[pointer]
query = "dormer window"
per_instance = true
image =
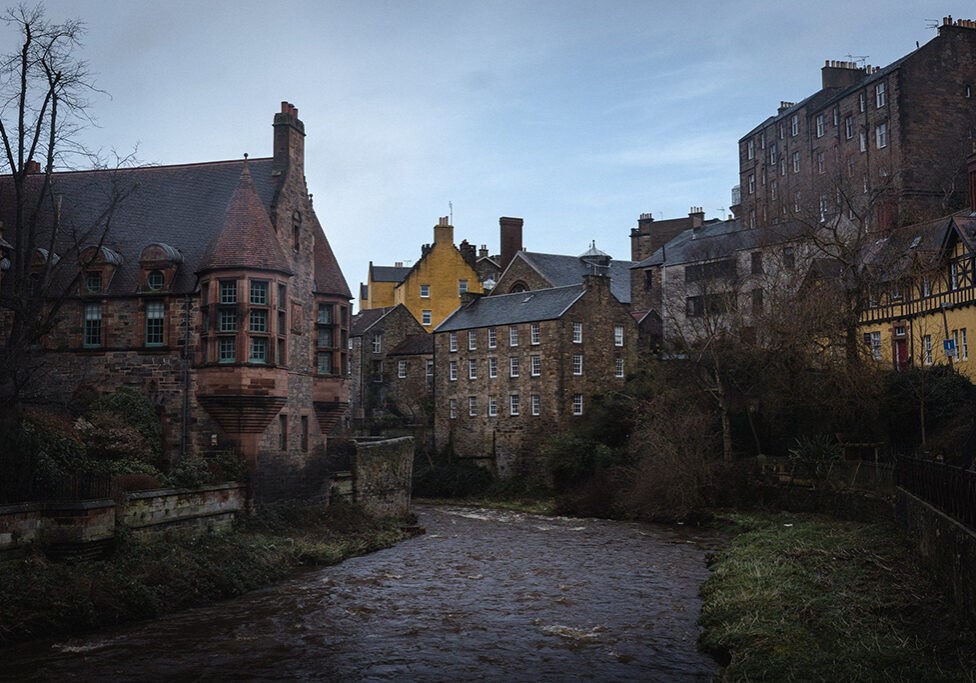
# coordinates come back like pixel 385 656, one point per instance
pixel 93 282
pixel 155 281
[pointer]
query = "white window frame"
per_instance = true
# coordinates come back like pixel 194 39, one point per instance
pixel 462 287
pixel 472 406
pixel 424 291
pixel 512 335
pixel 452 371
pixel 861 101
pixel 492 406
pixel 534 337
pixel 963 343
pixel 577 333
pixel 472 340
pixel 401 369
pixel 752 183
pixel 618 369
pixel 472 369
pixel 881 135
pixel 820 125
pixel 750 150
pixel 535 365
pixel 927 344
pixel 864 141
pixel 795 125
pixel 492 339
pixel 955 345
pixel 378 342
pixel 577 404
pixel 577 364
pixel 452 341
pixel 879 95
pixel 452 408
pixel 848 127
pixel 513 366
pixel 426 317
pixel 796 162
pixel 513 405
pixel 536 402
pixel 618 335
pixel 875 344
pixel 492 367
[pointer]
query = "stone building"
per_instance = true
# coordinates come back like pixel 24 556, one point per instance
pixel 893 134
pixel 514 369
pixel 214 290
pixel 529 271
pixel 374 374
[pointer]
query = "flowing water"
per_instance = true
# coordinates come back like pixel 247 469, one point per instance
pixel 484 595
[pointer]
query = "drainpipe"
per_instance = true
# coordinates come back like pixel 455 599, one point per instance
pixel 185 428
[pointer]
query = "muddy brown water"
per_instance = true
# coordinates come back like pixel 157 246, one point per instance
pixel 484 595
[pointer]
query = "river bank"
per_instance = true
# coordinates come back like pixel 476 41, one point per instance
pixel 143 580
pixel 808 597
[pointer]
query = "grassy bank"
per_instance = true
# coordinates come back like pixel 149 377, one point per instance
pixel 807 598
pixel 142 579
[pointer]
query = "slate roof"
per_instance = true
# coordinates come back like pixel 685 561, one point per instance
pixel 389 273
pixel 414 345
pixel 328 275
pixel 510 309
pixel 247 238
pixel 364 320
pixel 562 270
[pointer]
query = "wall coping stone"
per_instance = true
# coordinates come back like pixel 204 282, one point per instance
pixel 15 508
pixel 93 504
pixel 154 493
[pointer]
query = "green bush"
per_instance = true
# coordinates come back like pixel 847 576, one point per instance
pixel 190 472
pixel 457 479
pixel 571 460
pixel 137 412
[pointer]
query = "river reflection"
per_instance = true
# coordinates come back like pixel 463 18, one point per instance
pixel 484 595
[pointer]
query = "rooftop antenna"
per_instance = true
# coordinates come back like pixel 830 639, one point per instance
pixel 933 23
pixel 450 209
pixel 858 58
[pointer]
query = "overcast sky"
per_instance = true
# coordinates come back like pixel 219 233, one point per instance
pixel 576 116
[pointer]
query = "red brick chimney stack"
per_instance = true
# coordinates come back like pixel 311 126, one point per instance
pixel 289 142
pixel 510 239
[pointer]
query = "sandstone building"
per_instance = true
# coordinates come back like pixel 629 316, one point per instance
pixel 901 131
pixel 213 289
pixel 513 369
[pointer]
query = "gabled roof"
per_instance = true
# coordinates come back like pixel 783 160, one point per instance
pixel 388 273
pixel 246 239
pixel 183 206
pixel 362 321
pixel 414 345
pixel 328 276
pixel 562 270
pixel 510 309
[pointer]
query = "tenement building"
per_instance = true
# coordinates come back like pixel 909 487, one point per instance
pixel 212 288
pixel 886 143
pixel 514 369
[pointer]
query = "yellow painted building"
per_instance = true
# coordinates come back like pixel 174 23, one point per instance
pixel 431 289
pixel 932 299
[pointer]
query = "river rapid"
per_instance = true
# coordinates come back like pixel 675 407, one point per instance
pixel 484 595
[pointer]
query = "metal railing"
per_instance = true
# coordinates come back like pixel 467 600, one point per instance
pixel 949 488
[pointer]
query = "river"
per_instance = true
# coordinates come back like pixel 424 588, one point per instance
pixel 484 595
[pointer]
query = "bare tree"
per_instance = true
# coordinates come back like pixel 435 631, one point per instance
pixel 44 91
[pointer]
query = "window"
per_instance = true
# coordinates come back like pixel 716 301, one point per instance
pixel 513 336
pixel 452 371
pixel 259 292
pixel 226 349
pixel 773 189
pixel 820 125
pixel 648 280
pixel 926 286
pixel 534 334
pixel 782 165
pixel 750 150
pixel 796 162
pixel 324 363
pixel 227 321
pixel 304 432
pixel 820 162
pixel 874 339
pixel 492 406
pixel 782 131
pixel 472 406
pixel 860 101
pixel 491 337
pixel 796 201
pixel 472 340
pixel 282 432
pixel 772 156
pixel 325 338
pixel 963 344
pixel 401 369
pixel 425 317
pixel 927 343
pixel 954 276
pixel 577 364
pixel 378 342
pixel 955 345
pixel 282 322
pixel 795 125
pixel 752 183
pixel 325 314
pixel 577 333
pixel 429 372
pixel 879 95
pixel 513 405
pixel 93 325
pixel 836 116
pixel 259 320
pixel 472 369
pixel 154 323
pixel 864 141
pixel 881 135
pixel 535 365
pixel 259 350
pixel 424 291
pixel 513 367
pixel 848 127
pixel 452 408
pixel 283 298
pixel 155 280
pixel 462 287
pixel 535 401
pixel 618 369
pixel 762 175
pixel 452 342
pixel 618 335
pixel 93 282
pixel 228 291
pixel 493 367
pixel 577 404
pixel 282 347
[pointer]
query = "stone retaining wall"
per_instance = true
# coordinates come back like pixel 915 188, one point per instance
pixel 382 475
pixel 207 508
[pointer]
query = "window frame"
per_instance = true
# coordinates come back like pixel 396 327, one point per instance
pixel 155 323
pixel 92 327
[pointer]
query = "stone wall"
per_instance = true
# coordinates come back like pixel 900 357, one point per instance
pixel 946 546
pixel 20 526
pixel 208 508
pixel 382 473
